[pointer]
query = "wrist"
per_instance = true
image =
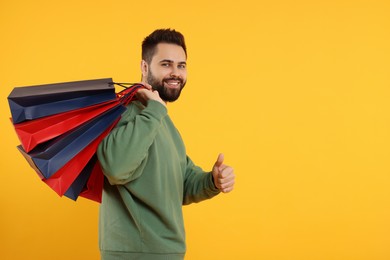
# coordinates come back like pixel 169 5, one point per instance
pixel 214 186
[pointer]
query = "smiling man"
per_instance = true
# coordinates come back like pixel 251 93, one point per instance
pixel 166 71
pixel 148 173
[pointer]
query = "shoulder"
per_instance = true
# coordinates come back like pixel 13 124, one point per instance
pixel 133 109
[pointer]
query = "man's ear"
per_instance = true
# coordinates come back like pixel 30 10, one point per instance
pixel 144 68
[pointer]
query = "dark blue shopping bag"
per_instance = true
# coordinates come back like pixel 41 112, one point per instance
pixel 66 159
pixel 32 102
pixel 78 185
pixel 49 157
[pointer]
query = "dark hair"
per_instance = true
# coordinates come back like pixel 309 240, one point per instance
pixel 161 36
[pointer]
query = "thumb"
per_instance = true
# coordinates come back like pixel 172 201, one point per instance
pixel 219 161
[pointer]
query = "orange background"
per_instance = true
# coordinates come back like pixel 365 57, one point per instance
pixel 295 93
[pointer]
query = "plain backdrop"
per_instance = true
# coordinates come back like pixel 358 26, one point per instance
pixel 295 93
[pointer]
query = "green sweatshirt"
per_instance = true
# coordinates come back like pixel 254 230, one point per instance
pixel 148 179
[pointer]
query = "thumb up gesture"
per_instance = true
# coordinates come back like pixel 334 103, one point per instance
pixel 223 175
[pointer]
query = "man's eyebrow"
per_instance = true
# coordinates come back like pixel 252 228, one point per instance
pixel 171 61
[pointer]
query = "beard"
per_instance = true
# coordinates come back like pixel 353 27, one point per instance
pixel 166 94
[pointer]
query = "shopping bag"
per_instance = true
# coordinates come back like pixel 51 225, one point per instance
pixel 34 132
pixel 94 186
pixel 81 181
pixel 31 102
pixel 54 154
pixel 61 181
pixel 61 147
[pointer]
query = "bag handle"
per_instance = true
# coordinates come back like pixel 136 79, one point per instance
pixel 128 94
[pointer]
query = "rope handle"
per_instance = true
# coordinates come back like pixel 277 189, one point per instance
pixel 128 94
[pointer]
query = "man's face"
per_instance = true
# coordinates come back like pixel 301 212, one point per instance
pixel 167 72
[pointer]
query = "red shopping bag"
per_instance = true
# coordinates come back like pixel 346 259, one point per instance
pixel 94 187
pixel 70 170
pixel 51 156
pixel 63 178
pixel 34 132
pixel 80 182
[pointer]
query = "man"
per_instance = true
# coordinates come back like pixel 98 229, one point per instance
pixel 148 174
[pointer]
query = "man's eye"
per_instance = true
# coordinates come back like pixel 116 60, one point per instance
pixel 182 66
pixel 165 64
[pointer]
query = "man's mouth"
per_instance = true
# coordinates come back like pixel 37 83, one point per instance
pixel 172 83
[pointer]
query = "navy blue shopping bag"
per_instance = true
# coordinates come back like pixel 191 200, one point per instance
pixel 32 102
pixel 49 157
pixel 66 159
pixel 78 185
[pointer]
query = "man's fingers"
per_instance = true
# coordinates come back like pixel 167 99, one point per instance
pixel 146 85
pixel 224 187
pixel 226 190
pixel 222 180
pixel 225 172
pixel 226 179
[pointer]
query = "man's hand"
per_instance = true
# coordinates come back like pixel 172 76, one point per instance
pixel 145 94
pixel 223 175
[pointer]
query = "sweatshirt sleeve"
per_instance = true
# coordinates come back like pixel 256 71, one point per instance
pixel 198 185
pixel 123 151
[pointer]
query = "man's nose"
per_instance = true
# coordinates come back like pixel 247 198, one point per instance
pixel 175 72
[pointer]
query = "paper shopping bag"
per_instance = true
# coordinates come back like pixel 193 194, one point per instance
pixel 34 132
pixel 60 144
pixel 31 102
pixel 94 187
pixel 49 157
pixel 81 181
pixel 61 181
